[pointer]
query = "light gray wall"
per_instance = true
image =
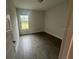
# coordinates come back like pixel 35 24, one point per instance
pixel 36 21
pixel 55 20
pixel 12 12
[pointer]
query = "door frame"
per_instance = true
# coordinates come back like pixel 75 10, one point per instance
pixel 68 40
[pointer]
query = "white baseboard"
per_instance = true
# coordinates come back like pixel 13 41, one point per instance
pixel 55 35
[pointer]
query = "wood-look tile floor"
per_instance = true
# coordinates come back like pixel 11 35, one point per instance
pixel 37 46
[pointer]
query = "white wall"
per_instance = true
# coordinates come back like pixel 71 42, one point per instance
pixel 36 21
pixel 55 20
pixel 12 12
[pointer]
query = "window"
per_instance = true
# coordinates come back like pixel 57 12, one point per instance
pixel 24 22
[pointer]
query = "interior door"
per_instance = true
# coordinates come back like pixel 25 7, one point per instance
pixel 10 48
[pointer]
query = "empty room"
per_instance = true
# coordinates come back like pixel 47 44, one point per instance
pixel 38 29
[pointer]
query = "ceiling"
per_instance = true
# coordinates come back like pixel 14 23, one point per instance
pixel 35 5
